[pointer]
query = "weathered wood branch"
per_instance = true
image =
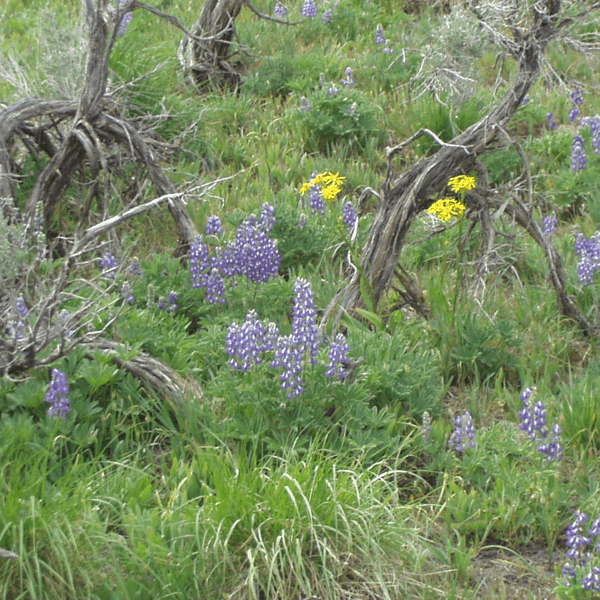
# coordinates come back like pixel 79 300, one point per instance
pixel 153 372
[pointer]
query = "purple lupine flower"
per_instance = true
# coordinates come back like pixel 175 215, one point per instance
pixel 305 332
pixel 224 260
pixel 347 79
pixel 255 253
pixel 592 580
pixel 379 35
pixel 317 204
pixel 305 104
pixel 213 226
pixel 578 158
pixel 198 261
pixel 58 394
pixel 279 10
pixel 594 124
pixel 21 307
pixel 577 102
pixel 161 303
pixel 551 121
pixel 577 98
pixel 126 19
pixel 387 49
pixel 549 224
pixel 109 265
pixel 576 540
pixel 534 420
pixel 332 90
pixel 290 357
pixel 463 428
pixel 553 449
pixel 215 287
pixel 172 298
pixel 589 251
pixel 309 9
pixel 338 357
pixel 135 268
pixel 15 329
pixel 349 216
pixel 326 16
pixel 574 114
pixel 267 217
pixel 292 350
pixel 127 294
pixel 246 343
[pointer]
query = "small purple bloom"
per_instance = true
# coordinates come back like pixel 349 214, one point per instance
pixel 549 223
pixel 349 216
pixel 58 394
pixel 309 9
pixel 338 357
pixel 267 217
pixel 21 307
pixel 305 105
pixel 589 251
pixel 348 79
pixel 198 261
pixel 577 98
pixel 213 226
pixel 126 19
pixel 109 265
pixel 246 343
pixel 127 294
pixel 317 204
pixel 379 35
pixel 280 10
pixel 551 121
pixel 463 428
pixel 135 268
pixel 578 158
pixel 173 297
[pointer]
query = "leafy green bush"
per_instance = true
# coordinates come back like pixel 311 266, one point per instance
pixel 346 117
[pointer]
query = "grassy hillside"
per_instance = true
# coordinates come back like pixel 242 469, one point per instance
pixel 381 455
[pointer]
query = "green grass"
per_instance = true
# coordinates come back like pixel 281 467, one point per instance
pixel 244 493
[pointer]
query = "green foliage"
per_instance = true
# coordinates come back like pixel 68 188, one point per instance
pixel 399 373
pixel 348 117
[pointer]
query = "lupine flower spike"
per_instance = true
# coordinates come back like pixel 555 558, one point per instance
pixel 309 9
pixel 58 395
pixel 464 433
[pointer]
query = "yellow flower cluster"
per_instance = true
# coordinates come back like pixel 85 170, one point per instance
pixel 446 208
pixel 462 183
pixel 331 185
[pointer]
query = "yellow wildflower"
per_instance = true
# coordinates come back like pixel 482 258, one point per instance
pixel 446 208
pixel 331 184
pixel 330 192
pixel 462 183
pixel 332 178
